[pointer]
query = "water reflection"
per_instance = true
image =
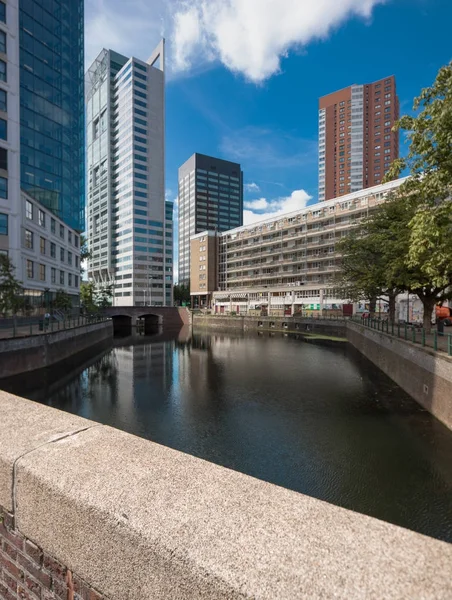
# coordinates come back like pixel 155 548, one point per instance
pixel 319 420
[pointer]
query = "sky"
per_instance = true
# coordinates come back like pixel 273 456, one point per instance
pixel 244 76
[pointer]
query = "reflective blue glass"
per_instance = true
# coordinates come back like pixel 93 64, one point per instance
pixel 52 106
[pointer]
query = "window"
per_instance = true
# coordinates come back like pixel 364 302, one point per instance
pixel 3 129
pixel 3 224
pixel 2 70
pixel 3 187
pixel 3 101
pixel 42 272
pixel 3 41
pixel 42 245
pixel 62 232
pixel 53 275
pixel 69 237
pixel 29 239
pixel 2 12
pixel 62 254
pixel 62 277
pixel 76 261
pixel 30 269
pixel 69 279
pixel 69 258
pixel 52 250
pixel 76 241
pixel 42 218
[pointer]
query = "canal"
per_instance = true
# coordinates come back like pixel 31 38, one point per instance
pixel 321 420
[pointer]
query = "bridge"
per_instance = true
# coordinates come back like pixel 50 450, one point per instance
pixel 147 318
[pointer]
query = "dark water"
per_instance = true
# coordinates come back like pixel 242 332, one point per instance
pixel 319 420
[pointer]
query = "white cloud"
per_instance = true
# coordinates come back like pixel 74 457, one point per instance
pixel 251 36
pixel 247 36
pixel 260 204
pixel 297 200
pixel 252 187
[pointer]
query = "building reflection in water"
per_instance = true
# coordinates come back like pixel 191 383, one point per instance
pixel 319 420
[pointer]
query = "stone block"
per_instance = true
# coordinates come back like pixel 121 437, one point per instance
pixel 138 520
pixel 25 426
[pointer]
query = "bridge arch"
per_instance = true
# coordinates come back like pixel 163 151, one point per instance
pixel 122 324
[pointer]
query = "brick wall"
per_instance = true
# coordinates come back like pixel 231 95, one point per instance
pixel 28 573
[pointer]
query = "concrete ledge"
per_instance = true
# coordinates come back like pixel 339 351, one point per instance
pixel 137 520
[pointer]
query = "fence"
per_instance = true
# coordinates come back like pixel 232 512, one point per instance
pixel 16 329
pixel 417 335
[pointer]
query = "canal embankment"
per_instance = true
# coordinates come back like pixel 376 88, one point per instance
pixel 91 511
pixel 425 374
pixel 29 354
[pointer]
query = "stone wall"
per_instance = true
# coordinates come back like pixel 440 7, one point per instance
pixel 92 512
pixel 23 355
pixel 330 327
pixel 426 375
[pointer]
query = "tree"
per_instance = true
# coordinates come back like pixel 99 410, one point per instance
pixel 383 243
pixel 10 287
pixel 182 294
pixel 62 300
pixel 363 271
pixel 104 295
pixel 85 253
pixel 428 191
pixel 87 293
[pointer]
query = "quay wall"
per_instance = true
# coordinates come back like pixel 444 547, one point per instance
pixel 27 354
pixel 423 373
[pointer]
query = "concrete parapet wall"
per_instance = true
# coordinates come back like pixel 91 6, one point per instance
pixel 21 355
pixel 426 375
pixel 124 518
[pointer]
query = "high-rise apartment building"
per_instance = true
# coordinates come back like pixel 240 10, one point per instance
pixel 356 141
pixel 52 106
pixel 210 197
pixel 129 224
pixel 41 144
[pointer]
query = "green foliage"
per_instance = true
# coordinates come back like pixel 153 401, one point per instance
pixel 62 300
pixel 10 288
pixel 87 297
pixel 182 294
pixel 103 296
pixel 428 190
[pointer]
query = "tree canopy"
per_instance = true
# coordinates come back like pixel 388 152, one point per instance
pixel 406 244
pixel 10 288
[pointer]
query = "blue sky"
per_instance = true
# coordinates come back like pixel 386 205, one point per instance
pixel 244 76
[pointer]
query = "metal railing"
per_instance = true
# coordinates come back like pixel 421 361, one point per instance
pixel 439 341
pixel 22 328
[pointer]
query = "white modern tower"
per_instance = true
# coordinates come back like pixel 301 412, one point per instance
pixel 129 226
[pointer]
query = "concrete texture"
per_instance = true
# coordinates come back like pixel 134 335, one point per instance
pixel 22 355
pixel 25 426
pixel 138 521
pixel 424 374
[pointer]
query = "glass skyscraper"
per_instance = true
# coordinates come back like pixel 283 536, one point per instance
pixel 52 106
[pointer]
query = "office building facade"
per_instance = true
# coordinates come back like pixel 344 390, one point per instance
pixel 284 264
pixel 356 141
pixel 129 224
pixel 210 197
pixel 44 250
pixel 52 106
